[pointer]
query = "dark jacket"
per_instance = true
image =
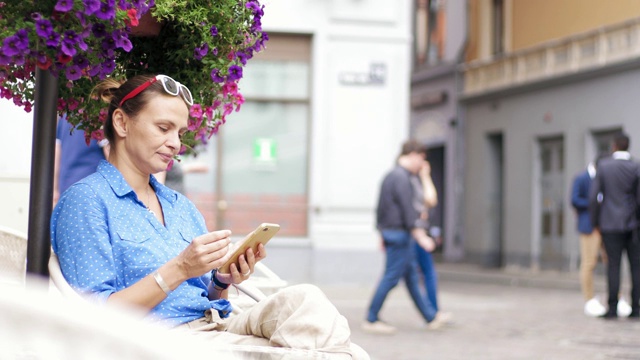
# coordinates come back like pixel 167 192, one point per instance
pixel 617 181
pixel 580 201
pixel 395 205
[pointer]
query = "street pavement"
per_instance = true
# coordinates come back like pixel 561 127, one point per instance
pixel 498 314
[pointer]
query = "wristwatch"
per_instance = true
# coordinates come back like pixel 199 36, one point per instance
pixel 217 284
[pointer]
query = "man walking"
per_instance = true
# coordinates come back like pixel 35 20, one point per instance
pixel 613 205
pixel 590 241
pixel 398 222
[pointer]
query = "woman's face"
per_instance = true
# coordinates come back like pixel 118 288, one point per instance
pixel 153 137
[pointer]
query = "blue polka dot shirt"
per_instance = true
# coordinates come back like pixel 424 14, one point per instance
pixel 107 240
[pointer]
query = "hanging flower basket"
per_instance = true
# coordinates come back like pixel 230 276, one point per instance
pixel 204 44
pixel 147 26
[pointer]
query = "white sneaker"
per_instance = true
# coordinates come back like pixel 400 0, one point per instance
pixel 594 308
pixel 624 309
pixel 442 318
pixel 378 327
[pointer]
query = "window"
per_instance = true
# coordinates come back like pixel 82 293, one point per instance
pixel 429 32
pixel 261 154
pixel 498 27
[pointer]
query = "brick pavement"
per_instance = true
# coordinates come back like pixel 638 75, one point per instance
pixel 498 315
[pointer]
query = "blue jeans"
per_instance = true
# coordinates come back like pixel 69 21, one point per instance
pixel 400 264
pixel 430 277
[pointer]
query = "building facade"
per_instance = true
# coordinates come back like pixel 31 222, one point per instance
pixel 438 47
pixel 327 107
pixel 546 86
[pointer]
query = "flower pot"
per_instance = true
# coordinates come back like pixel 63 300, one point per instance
pixel 147 26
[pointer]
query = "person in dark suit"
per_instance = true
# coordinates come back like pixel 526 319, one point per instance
pixel 590 241
pixel 613 205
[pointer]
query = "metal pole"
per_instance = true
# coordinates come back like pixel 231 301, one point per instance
pixel 221 203
pixel 42 163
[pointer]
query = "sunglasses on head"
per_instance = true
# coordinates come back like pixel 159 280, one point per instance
pixel 169 85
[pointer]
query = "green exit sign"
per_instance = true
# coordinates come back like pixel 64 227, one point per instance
pixel 264 150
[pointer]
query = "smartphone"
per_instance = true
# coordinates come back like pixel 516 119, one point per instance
pixel 261 235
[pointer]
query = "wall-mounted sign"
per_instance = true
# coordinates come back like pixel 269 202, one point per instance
pixel 264 153
pixel 376 75
pixel 429 99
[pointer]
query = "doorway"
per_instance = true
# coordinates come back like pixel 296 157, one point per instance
pixel 495 256
pixel 435 156
pixel 552 199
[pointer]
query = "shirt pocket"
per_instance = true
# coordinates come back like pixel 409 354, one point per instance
pixel 133 249
pixel 132 236
pixel 188 230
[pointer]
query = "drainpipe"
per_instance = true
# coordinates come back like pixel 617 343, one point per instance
pixel 456 251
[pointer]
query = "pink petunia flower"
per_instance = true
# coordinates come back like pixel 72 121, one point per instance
pixel 196 111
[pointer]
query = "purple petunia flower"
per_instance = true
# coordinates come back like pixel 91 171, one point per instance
pixel 81 61
pixel 235 73
pixel 82 45
pixel 12 46
pixel 201 51
pixel 36 16
pixel 95 70
pixel 91 6
pixel 41 57
pixel 242 57
pixel 122 40
pixel 44 28
pixel 257 25
pixel 82 17
pixel 109 43
pixel 23 37
pixel 64 5
pixel 215 76
pixel 4 59
pixel 108 67
pixel 214 30
pixel 17 60
pixel 107 11
pixel 86 32
pixel 99 30
pixel 138 3
pixel 215 51
pixel 53 39
pixel 69 41
pixel 73 72
pixel 253 6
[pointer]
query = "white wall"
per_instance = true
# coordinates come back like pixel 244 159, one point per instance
pixel 356 129
pixel 15 165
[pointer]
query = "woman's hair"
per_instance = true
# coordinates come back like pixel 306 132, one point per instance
pixel 112 91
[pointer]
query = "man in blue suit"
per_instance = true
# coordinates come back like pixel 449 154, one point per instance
pixel 590 241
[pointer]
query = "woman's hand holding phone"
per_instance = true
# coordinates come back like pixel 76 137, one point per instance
pixel 243 268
